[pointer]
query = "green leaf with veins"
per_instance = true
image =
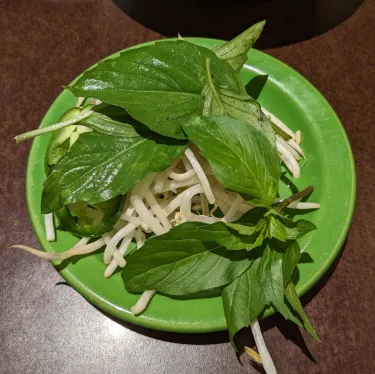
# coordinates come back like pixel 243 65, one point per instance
pixel 184 261
pixel 272 225
pixel 99 167
pixel 294 301
pixel 274 270
pixel 235 51
pixel 219 101
pixel 247 162
pixel 243 301
pixel 285 229
pixel 160 85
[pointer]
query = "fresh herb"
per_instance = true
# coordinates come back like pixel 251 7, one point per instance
pixel 243 301
pixel 237 104
pixel 160 85
pixel 99 167
pixel 274 270
pixel 235 51
pixel 293 299
pixel 247 162
pixel 272 225
pixel 176 264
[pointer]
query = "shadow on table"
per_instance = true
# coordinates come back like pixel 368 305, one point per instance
pixel 288 21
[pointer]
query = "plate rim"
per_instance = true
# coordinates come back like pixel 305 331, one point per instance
pixel 110 308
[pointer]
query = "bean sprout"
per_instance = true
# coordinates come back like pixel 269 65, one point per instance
pixel 233 209
pixel 186 200
pixel 181 176
pixel 50 229
pixel 142 302
pixel 122 250
pixel 278 123
pixel 267 362
pixel 81 250
pixel 298 137
pixel 201 175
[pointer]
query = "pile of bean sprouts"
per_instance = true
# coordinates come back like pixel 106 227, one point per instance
pixel 186 191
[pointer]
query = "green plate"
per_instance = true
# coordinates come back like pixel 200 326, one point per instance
pixel 329 168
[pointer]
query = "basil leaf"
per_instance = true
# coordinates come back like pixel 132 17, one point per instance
pixel 236 104
pixel 285 229
pixel 295 303
pixel 247 162
pixel 274 270
pixel 243 301
pixel 248 110
pixel 216 232
pixel 273 225
pixel 160 85
pixel 176 265
pixel 99 167
pixel 247 222
pixel 235 51
pixel 255 234
pixel 290 258
pixel 85 225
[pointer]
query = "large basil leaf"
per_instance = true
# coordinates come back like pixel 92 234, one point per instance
pixel 274 270
pixel 160 85
pixel 295 303
pixel 235 51
pixel 246 163
pixel 243 301
pixel 176 265
pixel 99 167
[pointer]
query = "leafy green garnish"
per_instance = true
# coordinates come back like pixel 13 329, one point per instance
pixel 99 167
pixel 272 225
pixel 160 85
pixel 235 51
pixel 175 264
pixel 247 162
pixel 274 270
pixel 243 300
pixel 293 299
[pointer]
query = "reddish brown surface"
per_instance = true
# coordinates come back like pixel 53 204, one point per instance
pixel 48 328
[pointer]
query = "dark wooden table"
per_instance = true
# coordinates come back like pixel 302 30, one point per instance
pixel 47 327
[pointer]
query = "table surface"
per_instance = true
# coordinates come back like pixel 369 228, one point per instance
pixel 47 327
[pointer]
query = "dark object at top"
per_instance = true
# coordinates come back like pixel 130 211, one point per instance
pixel 288 21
